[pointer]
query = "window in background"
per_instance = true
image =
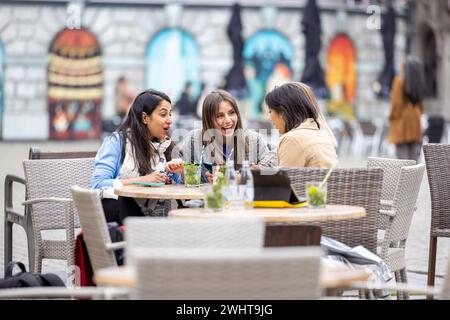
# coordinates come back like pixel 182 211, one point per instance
pixel 173 59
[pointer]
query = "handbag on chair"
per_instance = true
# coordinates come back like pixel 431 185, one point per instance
pixel 28 279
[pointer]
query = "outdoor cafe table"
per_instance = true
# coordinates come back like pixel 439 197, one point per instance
pixel 279 215
pixel 166 192
pixel 331 277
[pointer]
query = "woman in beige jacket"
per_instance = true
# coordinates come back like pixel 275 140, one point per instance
pixel 306 139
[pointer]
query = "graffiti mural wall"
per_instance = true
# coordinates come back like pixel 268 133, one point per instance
pixel 267 56
pixel 173 59
pixel 75 85
pixel 341 76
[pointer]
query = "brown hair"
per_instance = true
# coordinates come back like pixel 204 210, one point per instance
pixel 211 109
pixel 295 102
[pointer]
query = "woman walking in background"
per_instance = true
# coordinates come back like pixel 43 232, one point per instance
pixel 408 91
pixel 306 138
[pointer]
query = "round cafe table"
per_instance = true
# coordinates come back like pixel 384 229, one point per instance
pixel 279 215
pixel 166 192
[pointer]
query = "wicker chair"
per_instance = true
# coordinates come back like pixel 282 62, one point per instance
pixel 95 230
pixel 391 172
pixel 50 203
pixel 223 274
pixel 358 187
pixel 437 160
pixel 392 249
pixel 13 216
pixel 192 233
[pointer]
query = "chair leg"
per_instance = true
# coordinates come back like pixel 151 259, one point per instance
pixel 31 245
pixel 398 278
pixel 432 263
pixel 404 279
pixel 8 242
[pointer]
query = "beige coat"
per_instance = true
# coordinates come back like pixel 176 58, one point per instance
pixel 404 119
pixel 306 146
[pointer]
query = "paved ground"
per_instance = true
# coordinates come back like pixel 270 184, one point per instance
pixel 417 246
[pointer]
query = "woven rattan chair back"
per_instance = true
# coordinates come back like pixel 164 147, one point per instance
pixel 23 219
pixel 49 179
pixel 391 171
pixel 356 187
pixel 437 160
pixel 156 232
pixel 392 246
pixel 405 198
pixel 211 274
pixel 94 226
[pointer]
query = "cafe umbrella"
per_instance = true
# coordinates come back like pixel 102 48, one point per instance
pixel 235 81
pixel 313 73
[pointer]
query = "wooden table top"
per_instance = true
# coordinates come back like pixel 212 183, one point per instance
pixel 330 276
pixel 166 192
pixel 274 215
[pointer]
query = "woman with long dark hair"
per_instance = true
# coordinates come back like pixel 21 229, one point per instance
pixel 138 151
pixel 222 137
pixel 407 94
pixel 306 139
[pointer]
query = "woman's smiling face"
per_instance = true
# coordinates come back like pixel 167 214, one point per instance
pixel 226 119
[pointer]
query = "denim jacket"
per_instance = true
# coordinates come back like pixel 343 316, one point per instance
pixel 108 164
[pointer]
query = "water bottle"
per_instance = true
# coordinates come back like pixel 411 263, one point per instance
pixel 230 190
pixel 246 184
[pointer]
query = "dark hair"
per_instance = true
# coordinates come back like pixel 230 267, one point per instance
pixel 295 102
pixel 134 130
pixel 210 110
pixel 414 85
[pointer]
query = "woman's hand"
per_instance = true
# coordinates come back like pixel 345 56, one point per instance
pixel 155 176
pixel 210 176
pixel 175 166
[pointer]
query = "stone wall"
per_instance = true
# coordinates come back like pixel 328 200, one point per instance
pixel 124 33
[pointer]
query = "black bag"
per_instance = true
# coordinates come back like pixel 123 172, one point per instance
pixel 28 279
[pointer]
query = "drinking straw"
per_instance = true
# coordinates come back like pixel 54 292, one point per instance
pixel 229 156
pixel 326 177
pixel 201 154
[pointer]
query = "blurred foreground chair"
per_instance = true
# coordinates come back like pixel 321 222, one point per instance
pixel 59 293
pixel 50 204
pixel 95 231
pixel 437 160
pixel 399 218
pixel 13 216
pixel 223 274
pixel 142 232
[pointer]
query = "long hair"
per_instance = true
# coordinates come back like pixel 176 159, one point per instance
pixel 414 85
pixel 135 131
pixel 295 102
pixel 211 109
